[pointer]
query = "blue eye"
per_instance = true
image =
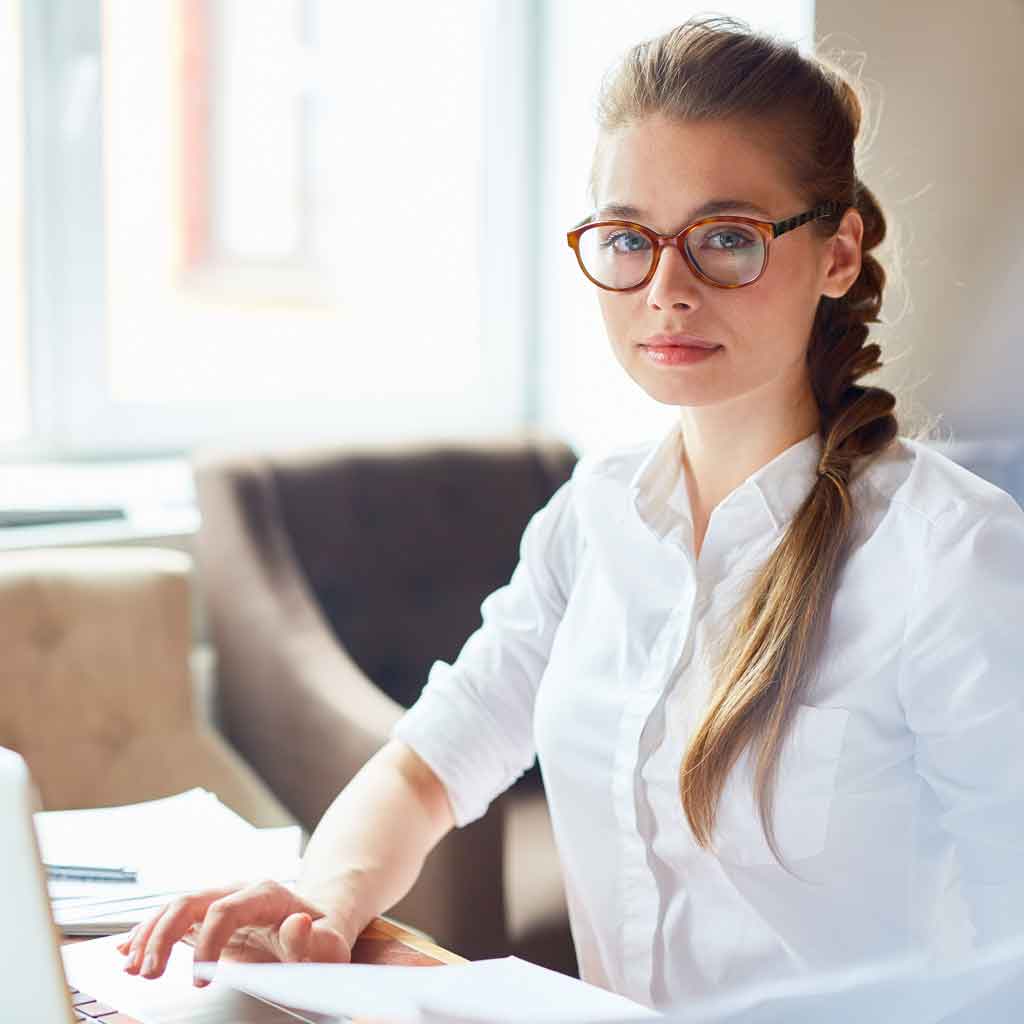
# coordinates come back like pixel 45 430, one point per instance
pixel 733 233
pixel 631 237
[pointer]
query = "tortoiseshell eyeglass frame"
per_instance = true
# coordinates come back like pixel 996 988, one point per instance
pixel 767 228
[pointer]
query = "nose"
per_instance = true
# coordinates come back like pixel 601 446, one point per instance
pixel 674 283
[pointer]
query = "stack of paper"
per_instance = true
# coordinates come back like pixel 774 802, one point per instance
pixel 177 844
pixel 506 989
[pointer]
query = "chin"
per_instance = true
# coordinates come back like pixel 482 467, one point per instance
pixel 663 392
pixel 673 388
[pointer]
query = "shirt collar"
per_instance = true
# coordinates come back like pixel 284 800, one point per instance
pixel 767 499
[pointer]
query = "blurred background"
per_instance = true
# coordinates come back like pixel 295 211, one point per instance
pixel 295 226
pixel 273 222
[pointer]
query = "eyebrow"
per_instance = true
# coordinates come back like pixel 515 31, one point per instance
pixel 708 209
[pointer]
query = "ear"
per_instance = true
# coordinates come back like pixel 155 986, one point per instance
pixel 842 258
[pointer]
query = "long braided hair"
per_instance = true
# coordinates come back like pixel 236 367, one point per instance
pixel 716 68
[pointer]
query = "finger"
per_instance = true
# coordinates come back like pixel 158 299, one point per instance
pixel 190 935
pixel 126 941
pixel 263 903
pixel 137 946
pixel 327 944
pixel 293 936
pixel 177 918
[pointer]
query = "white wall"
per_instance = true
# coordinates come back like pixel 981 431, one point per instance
pixel 946 165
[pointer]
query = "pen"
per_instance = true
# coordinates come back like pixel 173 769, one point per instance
pixel 90 873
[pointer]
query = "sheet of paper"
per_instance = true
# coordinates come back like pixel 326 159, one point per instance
pixel 130 834
pixel 510 989
pixel 185 841
pixel 501 991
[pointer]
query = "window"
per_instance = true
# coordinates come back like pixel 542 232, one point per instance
pixel 270 219
pixel 14 394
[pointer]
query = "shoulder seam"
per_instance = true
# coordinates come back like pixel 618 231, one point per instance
pixel 931 518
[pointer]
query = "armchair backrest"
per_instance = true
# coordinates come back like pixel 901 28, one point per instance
pixel 96 691
pixel 401 544
pixel 95 658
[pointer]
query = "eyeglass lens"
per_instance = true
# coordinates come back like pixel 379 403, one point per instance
pixel 618 257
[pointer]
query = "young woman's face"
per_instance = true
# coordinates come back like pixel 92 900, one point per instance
pixel 667 170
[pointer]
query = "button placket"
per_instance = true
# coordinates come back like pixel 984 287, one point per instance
pixel 682 635
pixel 641 895
pixel 638 896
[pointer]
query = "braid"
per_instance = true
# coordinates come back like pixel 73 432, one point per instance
pixel 855 420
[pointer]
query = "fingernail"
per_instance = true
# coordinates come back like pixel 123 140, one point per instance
pixel 149 964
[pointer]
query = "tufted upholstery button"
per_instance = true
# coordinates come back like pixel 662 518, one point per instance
pixel 46 635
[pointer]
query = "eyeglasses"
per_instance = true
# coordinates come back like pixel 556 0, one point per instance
pixel 727 252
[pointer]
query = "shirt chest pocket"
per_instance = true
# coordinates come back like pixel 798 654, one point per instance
pixel 804 790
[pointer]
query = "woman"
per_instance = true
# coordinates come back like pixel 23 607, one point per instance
pixel 769 664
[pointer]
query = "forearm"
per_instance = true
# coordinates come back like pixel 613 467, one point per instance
pixel 370 845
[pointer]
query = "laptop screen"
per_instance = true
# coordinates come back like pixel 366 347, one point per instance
pixel 32 984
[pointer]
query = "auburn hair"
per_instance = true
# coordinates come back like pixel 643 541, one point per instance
pixel 717 68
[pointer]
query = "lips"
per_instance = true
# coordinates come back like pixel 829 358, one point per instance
pixel 686 340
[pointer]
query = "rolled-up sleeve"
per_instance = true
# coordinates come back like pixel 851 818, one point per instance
pixel 962 688
pixel 473 720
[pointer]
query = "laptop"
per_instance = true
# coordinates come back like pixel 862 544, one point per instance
pixel 42 982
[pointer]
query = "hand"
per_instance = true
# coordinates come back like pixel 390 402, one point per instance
pixel 259 922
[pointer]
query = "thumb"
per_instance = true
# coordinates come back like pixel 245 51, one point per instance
pixel 327 944
pixel 294 937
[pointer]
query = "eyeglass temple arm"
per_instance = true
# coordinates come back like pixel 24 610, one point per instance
pixel 782 226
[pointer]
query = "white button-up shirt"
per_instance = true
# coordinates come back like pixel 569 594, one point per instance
pixel 900 796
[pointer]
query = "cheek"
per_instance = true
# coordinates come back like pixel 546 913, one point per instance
pixel 793 298
pixel 620 316
pixel 770 322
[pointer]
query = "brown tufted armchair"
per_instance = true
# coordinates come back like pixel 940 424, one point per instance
pixel 333 578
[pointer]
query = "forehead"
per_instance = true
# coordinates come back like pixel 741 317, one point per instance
pixel 666 169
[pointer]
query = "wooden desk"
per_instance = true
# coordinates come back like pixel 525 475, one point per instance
pixel 387 942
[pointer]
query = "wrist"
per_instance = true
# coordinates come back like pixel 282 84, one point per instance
pixel 345 898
